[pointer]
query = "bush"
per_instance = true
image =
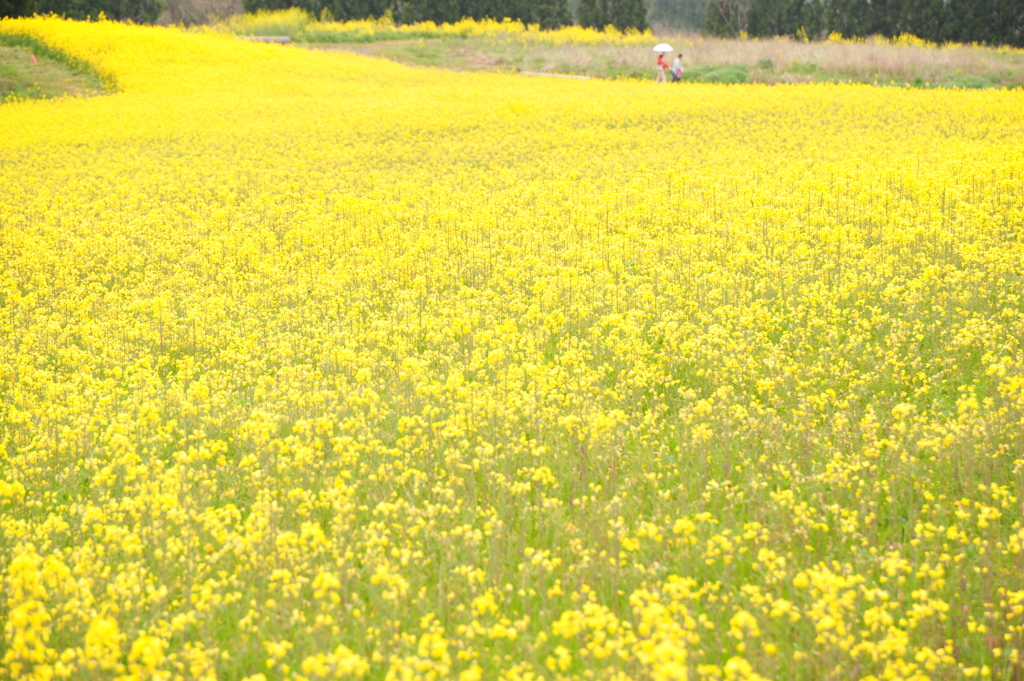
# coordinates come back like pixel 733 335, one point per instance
pixel 706 73
pixel 17 8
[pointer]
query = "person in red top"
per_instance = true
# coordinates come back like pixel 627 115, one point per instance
pixel 662 68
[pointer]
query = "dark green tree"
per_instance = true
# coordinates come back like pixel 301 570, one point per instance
pixel 687 14
pixel 139 11
pixel 776 17
pixel 625 14
pixel 311 6
pixel 994 22
pixel 621 14
pixel 883 18
pixel 550 13
pixel 592 13
pixel 477 9
pixel 846 17
pixel 724 19
pixel 345 10
pixel 785 17
pixel 923 18
pixel 17 8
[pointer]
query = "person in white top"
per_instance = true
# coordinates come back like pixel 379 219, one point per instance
pixel 677 69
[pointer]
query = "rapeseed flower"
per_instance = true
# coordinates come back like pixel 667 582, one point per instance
pixel 316 369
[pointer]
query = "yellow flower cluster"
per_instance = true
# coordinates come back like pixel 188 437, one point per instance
pixel 910 40
pixel 299 24
pixel 311 369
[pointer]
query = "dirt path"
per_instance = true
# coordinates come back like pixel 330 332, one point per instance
pixel 456 55
pixel 372 49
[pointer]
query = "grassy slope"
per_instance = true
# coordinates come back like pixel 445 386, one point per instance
pixel 713 60
pixel 20 78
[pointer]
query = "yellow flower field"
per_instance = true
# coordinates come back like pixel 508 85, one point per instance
pixel 299 24
pixel 314 366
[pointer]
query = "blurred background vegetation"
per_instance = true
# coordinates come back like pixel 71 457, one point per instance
pixel 989 22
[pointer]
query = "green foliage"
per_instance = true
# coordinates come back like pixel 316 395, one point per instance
pixel 353 37
pixel 621 14
pixel 803 69
pixel 629 14
pixel 686 14
pixel 17 8
pixel 997 22
pixel 590 13
pixel 993 22
pixel 782 17
pixel 968 82
pixel 22 77
pixel 709 73
pixel 139 11
pixel 40 49
pixel 547 13
pixel 314 7
pixel 720 19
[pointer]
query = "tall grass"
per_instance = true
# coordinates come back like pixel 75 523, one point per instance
pixel 785 60
pixel 608 52
pixel 877 58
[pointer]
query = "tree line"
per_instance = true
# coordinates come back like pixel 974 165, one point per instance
pixel 678 14
pixel 622 14
pixel 994 22
pixel 139 11
pixel 547 13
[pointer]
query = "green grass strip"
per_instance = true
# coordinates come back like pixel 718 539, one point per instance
pixel 41 49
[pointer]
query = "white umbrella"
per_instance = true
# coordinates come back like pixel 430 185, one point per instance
pixel 663 47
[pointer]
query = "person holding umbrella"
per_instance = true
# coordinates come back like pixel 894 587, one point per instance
pixel 662 65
